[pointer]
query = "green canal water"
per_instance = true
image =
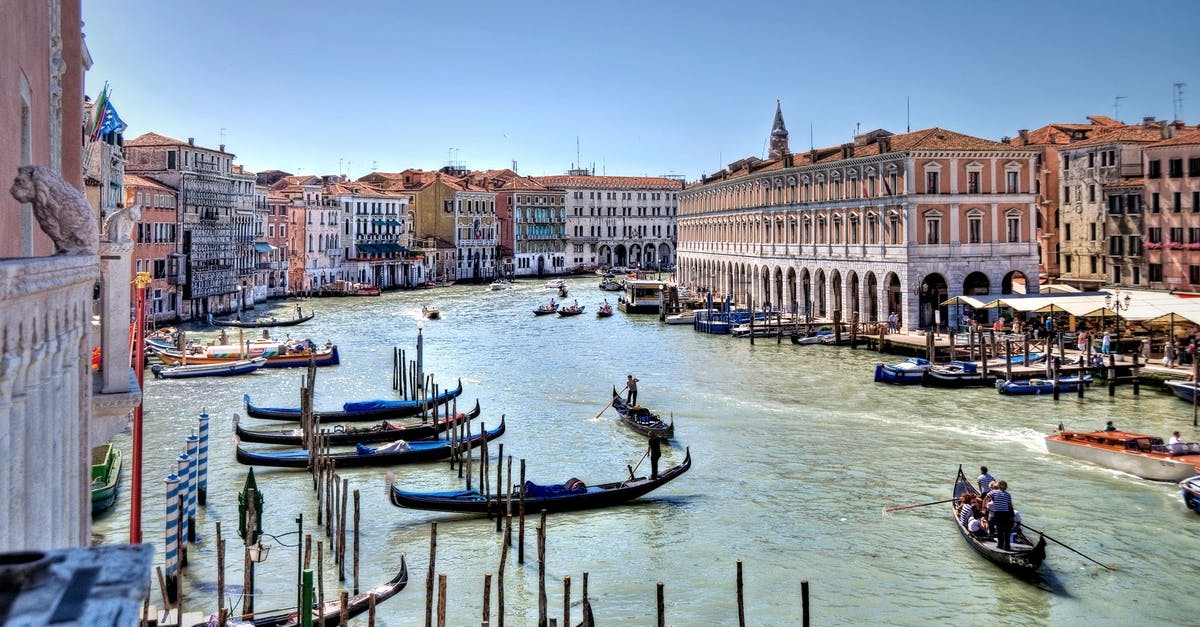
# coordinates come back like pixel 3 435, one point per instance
pixel 796 454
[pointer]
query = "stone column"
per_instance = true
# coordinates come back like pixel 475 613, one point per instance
pixel 115 262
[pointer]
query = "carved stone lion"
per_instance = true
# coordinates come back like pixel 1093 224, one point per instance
pixel 119 224
pixel 61 210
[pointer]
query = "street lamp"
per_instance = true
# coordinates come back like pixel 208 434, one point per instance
pixel 259 550
pixel 1117 305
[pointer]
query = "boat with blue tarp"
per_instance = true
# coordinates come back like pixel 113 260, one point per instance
pixel 907 372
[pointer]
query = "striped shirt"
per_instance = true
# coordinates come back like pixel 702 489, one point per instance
pixel 964 514
pixel 1001 501
pixel 984 481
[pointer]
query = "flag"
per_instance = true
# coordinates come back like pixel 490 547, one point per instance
pixel 107 120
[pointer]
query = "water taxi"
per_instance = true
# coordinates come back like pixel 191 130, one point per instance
pixel 1145 456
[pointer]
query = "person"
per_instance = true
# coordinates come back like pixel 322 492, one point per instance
pixel 999 503
pixel 1082 341
pixel 298 315
pixel 892 328
pixel 224 337
pixel 977 526
pixel 1169 355
pixel 1017 326
pixel 998 325
pixel 631 387
pixel 655 454
pixel 966 507
pixel 985 480
pixel 1108 426
pixel 1106 343
pixel 1016 526
pixel 1175 446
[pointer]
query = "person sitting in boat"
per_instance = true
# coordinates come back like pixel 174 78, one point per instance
pixel 977 526
pixel 985 480
pixel 966 506
pixel 1176 446
pixel 1108 426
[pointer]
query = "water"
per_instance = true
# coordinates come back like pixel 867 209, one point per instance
pixel 796 453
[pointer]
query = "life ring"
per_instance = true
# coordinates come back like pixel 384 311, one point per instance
pixel 339 429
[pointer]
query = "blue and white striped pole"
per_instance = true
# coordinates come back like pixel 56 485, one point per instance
pixel 202 493
pixel 183 462
pixel 193 444
pixel 172 536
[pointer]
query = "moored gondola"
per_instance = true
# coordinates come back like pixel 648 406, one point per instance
pixel 399 452
pixel 264 323
pixel 1023 557
pixel 330 614
pixel 570 496
pixel 342 435
pixel 642 420
pixel 356 411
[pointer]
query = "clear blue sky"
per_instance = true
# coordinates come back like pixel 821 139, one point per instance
pixel 649 88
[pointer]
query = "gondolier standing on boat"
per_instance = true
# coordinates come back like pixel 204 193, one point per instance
pixel 655 454
pixel 999 503
pixel 631 385
pixel 985 480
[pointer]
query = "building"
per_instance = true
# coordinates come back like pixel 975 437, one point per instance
pixel 1172 218
pixel 378 229
pixel 247 234
pixel 275 259
pixel 316 234
pixel 532 223
pixel 618 220
pixel 155 243
pixel 104 168
pixel 209 195
pixel 886 223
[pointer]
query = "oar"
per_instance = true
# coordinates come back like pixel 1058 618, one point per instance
pixel 1043 534
pixel 893 509
pixel 634 469
pixel 610 402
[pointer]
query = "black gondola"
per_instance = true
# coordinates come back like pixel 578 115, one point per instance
pixel 330 614
pixel 411 452
pixel 260 323
pixel 356 411
pixel 556 498
pixel 342 435
pixel 1022 558
pixel 956 374
pixel 642 420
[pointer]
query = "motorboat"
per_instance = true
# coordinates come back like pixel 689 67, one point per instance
pixel 683 317
pixel 956 374
pixel 1031 387
pixel 907 372
pixel 500 284
pixel 1185 390
pixel 218 369
pixel 1145 456
pixel 1190 489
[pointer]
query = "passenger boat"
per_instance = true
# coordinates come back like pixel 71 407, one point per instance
pixel 220 369
pixel 264 323
pixel 357 411
pixel 1190 490
pixel 548 498
pixel 278 355
pixel 570 310
pixel 642 420
pixel 330 614
pixel 398 452
pixel 956 374
pixel 1041 386
pixel 810 338
pixel 610 285
pixel 908 372
pixel 546 309
pixel 1144 456
pixel 342 435
pixel 604 311
pixel 684 317
pixel 431 313
pixel 1022 558
pixel 500 284
pixel 641 296
pixel 1185 390
pixel 106 476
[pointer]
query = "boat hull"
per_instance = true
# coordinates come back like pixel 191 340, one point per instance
pixel 328 357
pixel 907 372
pixel 1190 490
pixel 365 411
pixel 106 478
pixel 1144 465
pixel 1185 390
pixel 348 435
pixel 263 324
pixel 935 379
pixel 1022 559
pixel 330 614
pixel 647 425
pixel 1035 387
pixel 224 369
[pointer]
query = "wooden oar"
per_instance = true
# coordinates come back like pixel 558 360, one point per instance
pixel 634 469
pixel 893 509
pixel 610 402
pixel 1043 534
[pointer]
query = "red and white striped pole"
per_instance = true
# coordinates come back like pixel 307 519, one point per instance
pixel 140 284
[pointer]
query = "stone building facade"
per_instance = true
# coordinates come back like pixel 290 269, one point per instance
pixel 531 219
pixel 886 223
pixel 1172 216
pixel 378 229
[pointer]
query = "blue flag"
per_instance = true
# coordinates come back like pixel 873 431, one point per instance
pixel 109 121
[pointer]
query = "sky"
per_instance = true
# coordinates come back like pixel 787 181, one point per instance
pixel 631 88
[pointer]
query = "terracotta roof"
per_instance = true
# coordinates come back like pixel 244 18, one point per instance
pixel 154 139
pixel 1181 138
pixel 941 139
pixel 134 180
pixel 1103 120
pixel 609 182
pixel 1130 134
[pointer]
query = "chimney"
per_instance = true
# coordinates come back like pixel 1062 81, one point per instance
pixel 848 151
pixel 1167 131
pixel 885 145
pixel 1024 134
pixel 222 147
pixel 1148 121
pixel 191 141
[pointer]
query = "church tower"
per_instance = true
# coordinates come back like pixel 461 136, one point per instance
pixel 779 135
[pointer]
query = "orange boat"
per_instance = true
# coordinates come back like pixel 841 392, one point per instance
pixel 277 355
pixel 1145 456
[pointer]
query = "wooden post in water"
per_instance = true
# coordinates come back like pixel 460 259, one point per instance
pixel 429 575
pixel 741 605
pixel 970 345
pixel 344 601
pixel 983 356
pixel 487 598
pixel 1112 374
pixel 837 327
pixel 662 607
pixel 586 602
pixel 356 542
pixel 508 508
pixel 1134 372
pixel 220 571
pixel 1054 366
pixel 930 347
pixel 1008 360
pixel 500 580
pixel 521 516
pixel 499 487
pixel 371 610
pixel 342 531
pixel 307 551
pixel 441 602
pixel 320 574
pixel 567 601
pixel 541 556
pixel 882 334
pixel 804 602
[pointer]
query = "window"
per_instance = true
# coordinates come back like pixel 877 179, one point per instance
pixel 1066 162
pixel 1091 159
pixel 1067 264
pixel 1135 245
pixel 1177 204
pixel 1092 261
pixel 1154 235
pixel 1091 193
pixel 1155 272
pixel 1176 234
pixel 931 182
pixel 1115 246
pixel 933 228
pixel 1114 204
pixel 1155 169
pixel 1194 168
pixel 975 227
pixel 171 160
pixel 1133 203
pixel 1194 275
pixel 893 183
pixel 1092 231
pixel 1175 168
pixel 872 229
pixel 973 182
pixel 1154 206
pixel 1194 235
pixel 1066 194
pixel 1012 227
pixel 1014 179
pixel 1195 202
pixel 1067 232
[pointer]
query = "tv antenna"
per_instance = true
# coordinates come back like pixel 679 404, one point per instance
pixel 1177 100
pixel 1117 107
pixel 222 142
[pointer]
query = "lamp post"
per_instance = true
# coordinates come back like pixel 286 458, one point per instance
pixel 1117 304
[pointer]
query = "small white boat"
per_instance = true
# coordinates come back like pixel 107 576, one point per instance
pixel 1185 390
pixel 1144 456
pixel 555 284
pixel 683 317
pixel 224 369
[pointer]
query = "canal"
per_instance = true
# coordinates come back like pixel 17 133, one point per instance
pixel 796 454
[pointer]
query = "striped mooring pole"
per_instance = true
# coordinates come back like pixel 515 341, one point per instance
pixel 193 446
pixel 184 462
pixel 202 493
pixel 172 534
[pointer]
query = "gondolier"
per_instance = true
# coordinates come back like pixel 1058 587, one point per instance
pixel 999 503
pixel 631 385
pixel 655 454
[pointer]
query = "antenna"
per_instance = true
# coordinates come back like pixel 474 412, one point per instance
pixel 857 128
pixel 223 128
pixel 1177 101
pixel 1117 107
pixel 810 136
pixel 340 160
pixel 908 114
pixel 577 160
pixel 374 165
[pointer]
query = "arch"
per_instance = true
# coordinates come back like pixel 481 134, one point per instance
pixel 789 294
pixel 620 255
pixel 895 296
pixel 835 284
pixel 806 292
pixel 777 291
pixel 976 284
pixel 1014 278
pixel 872 294
pixel 605 255
pixel 933 292
pixel 820 294
pixel 852 294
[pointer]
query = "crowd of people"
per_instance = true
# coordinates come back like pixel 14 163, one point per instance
pixel 990 513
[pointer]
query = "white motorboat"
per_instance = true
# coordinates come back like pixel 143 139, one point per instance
pixel 1145 456
pixel 500 284
pixel 684 317
pixel 555 284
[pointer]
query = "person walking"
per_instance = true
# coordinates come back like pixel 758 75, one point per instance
pixel 655 454
pixel 631 387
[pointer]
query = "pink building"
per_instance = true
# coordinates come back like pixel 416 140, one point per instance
pixel 1172 215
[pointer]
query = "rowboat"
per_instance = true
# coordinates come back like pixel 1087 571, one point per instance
pixel 604 311
pixel 1190 490
pixel 221 369
pixel 1185 390
pixel 106 476
pixel 356 411
pixel 543 310
pixel 548 498
pixel 340 435
pixel 642 420
pixel 398 452
pixel 610 285
pixel 1023 557
pixel 956 374
pixel 264 323
pixel 1041 386
pixel 1141 455
pixel 330 614
pixel 570 310
pixel 907 372
pixel 278 355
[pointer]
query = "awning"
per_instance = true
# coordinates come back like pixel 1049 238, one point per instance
pixel 369 249
pixel 377 222
pixel 977 302
pixel 263 247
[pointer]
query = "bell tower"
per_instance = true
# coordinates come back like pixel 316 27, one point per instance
pixel 779 135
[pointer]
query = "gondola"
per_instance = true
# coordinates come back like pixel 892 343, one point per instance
pixel 956 374
pixel 604 311
pixel 571 310
pixel 356 411
pixel 410 452
pixel 342 435
pixel 543 310
pixel 1041 386
pixel 330 614
pixel 642 420
pixel 552 498
pixel 260 323
pixel 1024 557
